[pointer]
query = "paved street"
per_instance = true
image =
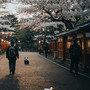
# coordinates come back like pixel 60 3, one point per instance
pixel 40 74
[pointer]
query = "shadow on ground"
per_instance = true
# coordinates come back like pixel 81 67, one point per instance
pixel 9 82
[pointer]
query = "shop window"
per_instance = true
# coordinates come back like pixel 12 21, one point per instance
pixel 78 43
pixel 68 45
pixel 82 45
pixel 60 45
pixel 89 44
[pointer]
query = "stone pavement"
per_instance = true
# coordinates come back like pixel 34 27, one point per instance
pixel 66 64
pixel 40 74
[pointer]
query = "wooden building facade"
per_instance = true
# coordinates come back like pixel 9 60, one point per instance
pixel 52 47
pixel 65 39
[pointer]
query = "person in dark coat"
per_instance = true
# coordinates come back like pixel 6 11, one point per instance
pixel 75 54
pixel 46 49
pixel 12 54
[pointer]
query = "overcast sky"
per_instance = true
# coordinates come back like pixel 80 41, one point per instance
pixel 14 8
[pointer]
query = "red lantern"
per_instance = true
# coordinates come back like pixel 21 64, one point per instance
pixel 2 45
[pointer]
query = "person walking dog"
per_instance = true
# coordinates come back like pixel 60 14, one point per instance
pixel 12 54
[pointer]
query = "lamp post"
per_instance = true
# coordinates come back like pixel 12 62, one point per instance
pixel 2 45
pixel 9 43
pixel 45 35
pixel 2 41
pixel 39 43
pixel 18 41
pixel 39 46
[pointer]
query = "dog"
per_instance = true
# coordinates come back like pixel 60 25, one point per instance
pixel 51 88
pixel 26 61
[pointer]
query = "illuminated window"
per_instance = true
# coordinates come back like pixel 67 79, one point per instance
pixel 78 42
pixel 82 45
pixel 88 43
pixel 68 44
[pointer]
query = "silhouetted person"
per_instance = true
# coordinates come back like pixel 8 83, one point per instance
pixel 12 54
pixel 46 50
pixel 75 54
pixel 39 50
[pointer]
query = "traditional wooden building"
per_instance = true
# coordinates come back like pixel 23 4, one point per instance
pixel 53 46
pixel 65 39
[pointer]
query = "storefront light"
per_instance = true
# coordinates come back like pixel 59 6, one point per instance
pixel 89 43
pixel 39 41
pixel 2 32
pixel 2 40
pixel 18 41
pixel 43 29
pixel 68 44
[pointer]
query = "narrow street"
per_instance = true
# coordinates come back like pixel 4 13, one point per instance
pixel 39 74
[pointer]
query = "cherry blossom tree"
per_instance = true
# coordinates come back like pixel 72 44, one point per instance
pixel 62 14
pixel 70 12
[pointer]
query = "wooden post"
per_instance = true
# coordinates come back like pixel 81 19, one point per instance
pixel 64 49
pixel 55 45
pixel 85 53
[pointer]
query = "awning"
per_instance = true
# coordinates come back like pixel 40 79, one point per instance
pixel 79 28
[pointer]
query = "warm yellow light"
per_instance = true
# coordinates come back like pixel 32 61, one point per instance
pixel 43 29
pixel 89 43
pixel 19 41
pixel 2 32
pixel 68 44
pixel 2 40
pixel 39 41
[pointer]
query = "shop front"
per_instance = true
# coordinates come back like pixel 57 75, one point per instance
pixel 53 47
pixel 65 40
pixel 60 47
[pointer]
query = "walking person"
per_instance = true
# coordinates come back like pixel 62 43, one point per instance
pixel 12 54
pixel 46 49
pixel 75 54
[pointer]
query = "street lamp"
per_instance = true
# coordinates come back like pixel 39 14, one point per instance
pixel 43 29
pixel 39 41
pixel 18 41
pixel 2 32
pixel 39 46
pixel 2 40
pixel 2 44
pixel 9 43
pixel 45 35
